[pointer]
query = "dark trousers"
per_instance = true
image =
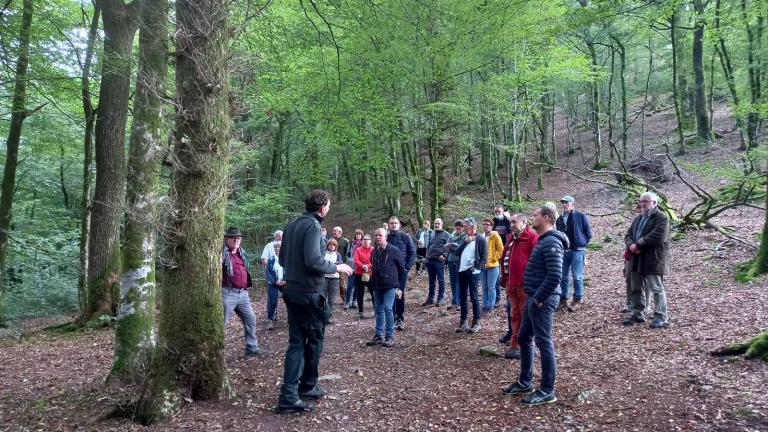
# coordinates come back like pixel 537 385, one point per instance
pixel 307 317
pixel 399 307
pixel 468 284
pixel 360 288
pixel 537 325
pixel 436 272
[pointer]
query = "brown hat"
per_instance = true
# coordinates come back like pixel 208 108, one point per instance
pixel 233 232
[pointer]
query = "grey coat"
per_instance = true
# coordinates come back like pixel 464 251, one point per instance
pixel 653 242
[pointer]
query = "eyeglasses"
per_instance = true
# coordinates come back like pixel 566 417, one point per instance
pixel 367 238
pixel 378 235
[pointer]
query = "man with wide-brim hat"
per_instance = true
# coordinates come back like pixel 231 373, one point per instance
pixel 235 282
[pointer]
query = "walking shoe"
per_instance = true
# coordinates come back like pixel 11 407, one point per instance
pixel 658 322
pixel 538 397
pixel 427 303
pixel 361 315
pixel 298 406
pixel 516 388
pixel 463 327
pixel 626 308
pixel 388 342
pixel 575 304
pixel 475 327
pixel 512 354
pixel 451 306
pixel 634 319
pixel 314 393
pixel 353 305
pixel 259 352
pixel 377 340
pixel 400 324
pixel 562 305
pixel 270 324
pixel 506 338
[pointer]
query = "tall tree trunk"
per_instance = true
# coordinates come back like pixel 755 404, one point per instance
pixel 18 114
pixel 595 115
pixel 135 332
pixel 645 97
pixel 609 103
pixel 675 86
pixel 622 78
pixel 703 131
pixel 760 263
pixel 109 195
pixel 753 72
pixel 90 120
pixel 730 79
pixel 189 358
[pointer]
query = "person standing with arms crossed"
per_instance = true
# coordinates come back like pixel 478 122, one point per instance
pixel 302 257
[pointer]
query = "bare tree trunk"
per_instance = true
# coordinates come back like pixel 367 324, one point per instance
pixel 675 87
pixel 703 131
pixel 135 332
pixel 622 78
pixel 725 62
pixel 189 358
pixel 109 195
pixel 595 114
pixel 18 114
pixel 753 119
pixel 645 97
pixel 90 120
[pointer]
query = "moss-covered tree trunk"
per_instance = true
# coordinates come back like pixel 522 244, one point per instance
pixel 595 114
pixel 189 358
pixel 18 114
pixel 675 86
pixel 90 119
pixel 134 335
pixel 703 131
pixel 760 263
pixel 109 193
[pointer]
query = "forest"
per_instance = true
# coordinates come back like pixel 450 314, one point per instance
pixel 135 132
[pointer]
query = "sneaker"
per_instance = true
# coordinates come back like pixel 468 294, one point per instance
pixel 361 315
pixel 377 340
pixel 516 388
pixel 512 354
pixel 259 352
pixel 506 338
pixel 634 319
pixel 314 393
pixel 298 406
pixel 658 322
pixel 538 397
pixel 475 327
pixel 427 303
pixel 400 324
pixel 627 308
pixel 270 324
pixel 346 306
pixel 562 305
pixel 463 327
pixel 388 342
pixel 353 305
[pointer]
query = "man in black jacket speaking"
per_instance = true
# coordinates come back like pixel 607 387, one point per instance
pixel 301 255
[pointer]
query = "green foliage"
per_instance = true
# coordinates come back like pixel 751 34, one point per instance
pixel 259 213
pixel 595 246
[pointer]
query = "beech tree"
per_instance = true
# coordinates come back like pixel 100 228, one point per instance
pixel 189 358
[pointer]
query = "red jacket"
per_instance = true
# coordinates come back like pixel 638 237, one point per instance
pixel 515 257
pixel 362 256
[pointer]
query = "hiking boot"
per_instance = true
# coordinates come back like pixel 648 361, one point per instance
pixel 475 327
pixel 512 354
pixel 270 324
pixel 298 406
pixel 562 305
pixel 388 342
pixel 462 328
pixel 315 393
pixel 538 397
pixel 400 324
pixel 633 319
pixel 659 322
pixel 427 303
pixel 377 340
pixel 516 388
pixel 506 338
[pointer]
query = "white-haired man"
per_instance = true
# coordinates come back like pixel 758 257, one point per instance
pixel 648 242
pixel 269 250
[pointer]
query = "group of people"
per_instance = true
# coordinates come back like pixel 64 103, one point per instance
pixel 532 263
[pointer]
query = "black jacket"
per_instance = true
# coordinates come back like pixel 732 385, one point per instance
pixel 545 266
pixel 302 254
pixel 437 242
pixel 387 263
pixel 578 229
pixel 653 243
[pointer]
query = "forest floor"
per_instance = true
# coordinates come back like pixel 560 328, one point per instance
pixel 610 377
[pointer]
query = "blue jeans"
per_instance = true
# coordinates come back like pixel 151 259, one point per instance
pixel 350 294
pixel 537 325
pixel 436 271
pixel 237 301
pixel 382 301
pixel 489 276
pixel 453 277
pixel 468 283
pixel 573 262
pixel 272 295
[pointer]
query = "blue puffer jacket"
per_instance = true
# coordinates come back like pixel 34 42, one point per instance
pixel 403 242
pixel 545 266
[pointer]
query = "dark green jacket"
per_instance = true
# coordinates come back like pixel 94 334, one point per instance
pixel 302 255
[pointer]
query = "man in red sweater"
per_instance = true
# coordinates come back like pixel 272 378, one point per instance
pixel 520 243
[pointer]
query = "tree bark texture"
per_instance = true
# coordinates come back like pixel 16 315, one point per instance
pixel 109 194
pixel 703 131
pixel 90 119
pixel 730 79
pixel 753 119
pixel 189 359
pixel 675 86
pixel 18 114
pixel 134 335
pixel 595 114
